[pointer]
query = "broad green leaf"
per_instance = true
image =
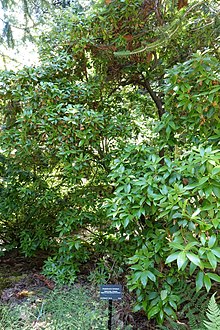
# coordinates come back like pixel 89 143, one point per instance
pixel 164 190
pixel 190 245
pixel 162 214
pixel 144 279
pixel 202 250
pixel 195 213
pixel 153 295
pixel 207 282
pixel 192 268
pixel 137 267
pixel 216 170
pixel 151 276
pixel 176 245
pixel 137 307
pixel 199 280
pixel 127 188
pixel 136 276
pixel 126 222
pixel 214 277
pixel 169 311
pixel 216 191
pixel 77 245
pixel 181 259
pixel 216 251
pixel 173 304
pixel 202 181
pixel 212 259
pixel 163 294
pixel 216 222
pixel 161 315
pixel 153 311
pixel 155 301
pixel 203 238
pixel 202 151
pixel 194 259
pixel 172 257
pixel 212 241
pixel 177 215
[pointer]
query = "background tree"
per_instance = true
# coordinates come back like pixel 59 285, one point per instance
pixel 21 22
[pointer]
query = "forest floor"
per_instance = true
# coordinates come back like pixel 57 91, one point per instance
pixel 28 300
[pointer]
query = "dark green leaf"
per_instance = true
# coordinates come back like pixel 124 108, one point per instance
pixel 207 282
pixel 171 257
pixel 199 280
pixel 163 294
pixel 153 311
pixel 181 259
pixel 144 279
pixel 216 251
pixel 212 259
pixel 211 241
pixel 151 276
pixel 214 277
pixel 194 259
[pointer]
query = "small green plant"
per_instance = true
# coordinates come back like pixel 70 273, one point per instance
pixel 60 271
pixel 213 314
pixel 62 309
pixel 100 274
pixel 196 318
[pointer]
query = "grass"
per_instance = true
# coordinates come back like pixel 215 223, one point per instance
pixel 61 309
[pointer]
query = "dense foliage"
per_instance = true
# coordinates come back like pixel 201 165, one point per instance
pixel 110 148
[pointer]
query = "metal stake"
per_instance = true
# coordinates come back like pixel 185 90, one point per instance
pixel 110 314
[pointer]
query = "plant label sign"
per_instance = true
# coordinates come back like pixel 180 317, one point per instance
pixel 111 292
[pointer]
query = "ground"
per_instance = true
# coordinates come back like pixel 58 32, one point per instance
pixel 22 284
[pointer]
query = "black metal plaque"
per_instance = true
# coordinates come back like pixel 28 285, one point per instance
pixel 111 292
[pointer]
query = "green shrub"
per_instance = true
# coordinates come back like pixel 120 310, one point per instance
pixel 168 208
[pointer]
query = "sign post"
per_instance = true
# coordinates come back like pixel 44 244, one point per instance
pixel 110 314
pixel 110 292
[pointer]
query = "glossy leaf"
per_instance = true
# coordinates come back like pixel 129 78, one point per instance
pixel 216 251
pixel 181 259
pixel 172 257
pixel 207 282
pixel 153 311
pixel 199 280
pixel 212 259
pixel 194 259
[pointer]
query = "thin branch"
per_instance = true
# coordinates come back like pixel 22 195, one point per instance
pixel 162 41
pixel 24 27
pixel 4 56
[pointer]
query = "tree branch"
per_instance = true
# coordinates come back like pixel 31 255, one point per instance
pixel 157 100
